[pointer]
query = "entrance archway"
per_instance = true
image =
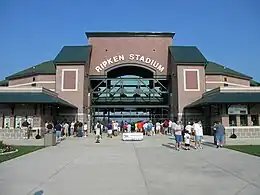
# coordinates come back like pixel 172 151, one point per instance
pixel 130 92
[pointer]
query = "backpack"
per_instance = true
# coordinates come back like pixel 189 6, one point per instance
pixel 149 126
pixel 166 124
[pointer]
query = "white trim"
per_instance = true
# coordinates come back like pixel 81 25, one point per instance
pixel 223 82
pixel 31 89
pixel 198 79
pixel 76 80
pixel 208 90
pixel 242 127
pixel 35 82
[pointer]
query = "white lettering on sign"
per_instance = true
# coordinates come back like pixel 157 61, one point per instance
pixel 132 57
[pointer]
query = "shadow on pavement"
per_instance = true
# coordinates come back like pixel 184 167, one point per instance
pixel 210 144
pixel 169 145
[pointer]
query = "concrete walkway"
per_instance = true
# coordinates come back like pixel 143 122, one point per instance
pixel 150 167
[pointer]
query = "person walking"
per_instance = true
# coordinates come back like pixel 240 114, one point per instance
pixel 220 134
pixel 178 135
pixel 72 128
pixel 66 129
pixel 58 129
pixel 187 140
pixel 109 129
pixel 98 129
pixel 198 129
pixel 85 128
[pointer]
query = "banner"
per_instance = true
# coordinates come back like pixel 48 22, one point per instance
pixel 7 122
pixel 18 122
pixel 132 136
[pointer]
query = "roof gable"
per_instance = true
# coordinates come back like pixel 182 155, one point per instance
pixel 74 54
pixel 214 68
pixel 43 68
pixel 187 54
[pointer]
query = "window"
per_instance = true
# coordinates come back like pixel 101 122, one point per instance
pixel 191 80
pixel 225 85
pixel 33 84
pixel 225 79
pixel 33 78
pixel 232 120
pixel 255 120
pixel 243 120
pixel 69 80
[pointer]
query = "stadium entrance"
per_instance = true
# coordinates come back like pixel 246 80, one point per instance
pixel 129 92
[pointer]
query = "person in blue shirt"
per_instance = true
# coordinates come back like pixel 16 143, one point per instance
pixel 219 134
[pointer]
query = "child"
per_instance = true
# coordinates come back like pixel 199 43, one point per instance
pixel 187 140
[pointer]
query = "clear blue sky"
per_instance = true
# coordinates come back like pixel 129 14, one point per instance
pixel 226 31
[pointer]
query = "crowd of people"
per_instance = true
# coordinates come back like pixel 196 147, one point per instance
pixel 184 134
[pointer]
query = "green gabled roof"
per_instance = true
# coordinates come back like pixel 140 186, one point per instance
pixel 228 98
pixel 213 68
pixel 43 68
pixel 187 54
pixel 32 97
pixel 74 54
pixel 4 83
pixel 254 83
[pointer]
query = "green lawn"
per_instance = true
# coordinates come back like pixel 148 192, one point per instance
pixel 249 149
pixel 22 150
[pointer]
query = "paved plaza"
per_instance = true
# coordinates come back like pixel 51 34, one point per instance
pixel 149 167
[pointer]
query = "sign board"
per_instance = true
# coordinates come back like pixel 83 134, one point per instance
pixel 132 57
pixel 132 136
pixel 238 110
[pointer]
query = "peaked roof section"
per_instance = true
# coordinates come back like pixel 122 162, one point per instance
pixel 130 34
pixel 187 54
pixel 73 54
pixel 4 83
pixel 43 68
pixel 213 68
pixel 254 83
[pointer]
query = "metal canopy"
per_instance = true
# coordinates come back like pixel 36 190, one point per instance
pixel 130 106
pixel 129 90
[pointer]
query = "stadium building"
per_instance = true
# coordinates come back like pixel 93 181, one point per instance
pixel 130 76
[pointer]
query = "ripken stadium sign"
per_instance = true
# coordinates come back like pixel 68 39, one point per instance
pixel 131 57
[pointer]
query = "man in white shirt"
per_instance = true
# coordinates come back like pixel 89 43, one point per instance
pixel 178 135
pixel 158 127
pixel 72 128
pixel 173 126
pixel 198 134
pixel 66 129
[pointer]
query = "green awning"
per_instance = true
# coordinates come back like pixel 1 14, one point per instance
pixel 32 97
pixel 227 98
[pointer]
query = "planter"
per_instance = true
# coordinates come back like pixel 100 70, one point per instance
pixel 49 139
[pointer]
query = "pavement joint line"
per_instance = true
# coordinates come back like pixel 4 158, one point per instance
pixel 141 170
pixel 56 172
pixel 227 171
pixel 241 189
